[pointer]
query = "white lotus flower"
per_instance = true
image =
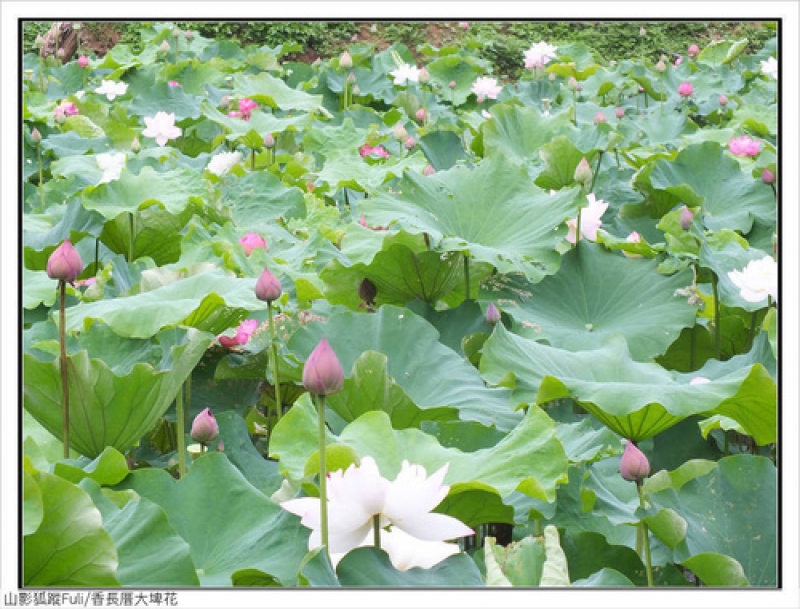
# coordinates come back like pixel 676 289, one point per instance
pixel 111 89
pixel 485 86
pixel 758 280
pixel 161 127
pixel 539 54
pixel 111 163
pixel 223 162
pixel 410 534
pixel 590 219
pixel 405 72
pixel 770 67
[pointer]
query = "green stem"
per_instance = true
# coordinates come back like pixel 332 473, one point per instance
pixel 647 562
pixel 275 379
pixel 41 178
pixel 376 527
pixel 252 158
pixel 62 337
pixel 596 171
pixel 133 232
pixel 692 347
pixel 717 329
pixel 181 432
pixel 466 274
pixel 751 334
pixel 323 474
pixel 96 255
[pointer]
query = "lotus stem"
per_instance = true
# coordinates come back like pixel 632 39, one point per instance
pixel 376 526
pixel 645 536
pixel 751 334
pixel 133 232
pixel 62 337
pixel 275 379
pixel 41 174
pixel 596 171
pixel 252 158
pixel 181 432
pixel 717 329
pixel 466 275
pixel 692 348
pixel 323 474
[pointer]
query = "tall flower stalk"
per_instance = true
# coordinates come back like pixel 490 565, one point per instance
pixel 635 467
pixel 181 432
pixel 268 289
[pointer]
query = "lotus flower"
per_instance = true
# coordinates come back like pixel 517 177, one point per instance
pixel 758 280
pixel 243 334
pixel 492 313
pixel 699 380
pixel 111 163
pixel 685 89
pixel 111 89
pixel 380 151
pixel 600 118
pixel 538 55
pixel 64 263
pixel 410 534
pixel 770 68
pixel 204 427
pixel 222 163
pixel 634 465
pixel 693 50
pixel 687 216
pixel 161 127
pixel 767 176
pixel 405 73
pixel 246 106
pixel 590 219
pixel 83 61
pixel 744 146
pixel 322 373
pixel 66 108
pixel 268 287
pixel 486 87
pixel 346 61
pixel 252 241
pixel 620 112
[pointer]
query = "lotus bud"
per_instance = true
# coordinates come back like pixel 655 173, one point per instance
pixel 136 146
pixel 400 132
pixel 204 427
pixel 421 114
pixel 351 78
pixel 346 61
pixel 423 75
pixel 176 32
pixel 678 60
pixel 723 101
pixel 269 140
pixel 268 287
pixel 600 118
pixel 620 112
pixel 61 53
pixel 39 41
pixel 225 102
pixel 429 170
pixel 452 84
pixel 687 215
pixel 634 465
pixel 685 89
pixel 693 50
pixel 583 172
pixel 492 313
pixel 356 91
pixel 661 66
pixel 83 61
pixel 65 263
pixel 252 241
pixel 36 137
pixel 767 176
pixel 572 84
pixel 409 143
pixel 322 373
pixel 189 35
pixel 164 48
pixel 367 291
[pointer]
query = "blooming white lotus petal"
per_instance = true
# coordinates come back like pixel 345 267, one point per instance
pixel 539 54
pixel 307 508
pixel 433 527
pixel 111 163
pixel 770 67
pixel 413 493
pixel 590 219
pixel 222 163
pixel 485 86
pixel 161 127
pixel 363 484
pixel 405 72
pixel 757 280
pixel 406 552
pixel 111 89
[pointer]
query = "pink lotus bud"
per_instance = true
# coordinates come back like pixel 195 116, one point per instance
pixel 61 53
pixel 39 41
pixel 685 89
pixel 687 215
pixel 225 102
pixel 322 373
pixel 464 25
pixel 346 61
pixel 678 60
pixel 36 137
pixel 423 75
pixel 429 170
pixel 767 176
pixel 174 83
pixel 409 143
pixel 492 313
pixel 356 91
pixel 136 146
pixel 252 241
pixel 83 61
pixel 351 78
pixel 400 132
pixel 65 263
pixel 269 140
pixel 164 48
pixel 452 84
pixel 583 172
pixel 480 99
pixel 204 427
pixel 600 118
pixel 189 35
pixel 572 84
pixel 268 287
pixel 723 101
pixel 354 38
pixel 620 112
pixel 421 114
pixel 661 66
pixel 176 32
pixel 634 465
pixel 693 50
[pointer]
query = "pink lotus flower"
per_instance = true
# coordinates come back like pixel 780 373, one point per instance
pixel 268 287
pixel 83 61
pixel 246 106
pixel 252 241
pixel 693 50
pixel 590 219
pixel 161 127
pixel 429 170
pixel 64 263
pixel 409 143
pixel 678 60
pixel 367 150
pixel 204 427
pixel 744 146
pixel 538 55
pixel 600 118
pixel 620 112
pixel 243 333
pixel 464 25
pixel 174 83
pixel 486 87
pixel 66 108
pixel 686 89
pixel 421 114
pixel 634 465
pixel 322 372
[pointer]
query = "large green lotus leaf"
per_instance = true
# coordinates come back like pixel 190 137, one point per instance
pixel 455 68
pixel 443 149
pixel 455 325
pixel 160 97
pixel 267 89
pixel 151 553
pixel 172 188
pixel 529 459
pixel 228 524
pixel 432 375
pixel 119 387
pixel 561 157
pixel 454 207
pixel 212 301
pixel 260 198
pixel 722 260
pixel 38 288
pixel 635 399
pixel 32 503
pixel 70 143
pixel 730 511
pixel 260 122
pixel 597 294
pixel 371 567
pixel 108 468
pixel 517 134
pixel 344 168
pixel 730 197
pixel 70 546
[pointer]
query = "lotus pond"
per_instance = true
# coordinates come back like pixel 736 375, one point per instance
pixel 526 331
